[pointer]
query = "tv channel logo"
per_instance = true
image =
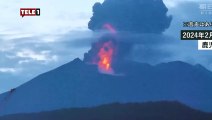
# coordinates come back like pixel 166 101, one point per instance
pixel 29 12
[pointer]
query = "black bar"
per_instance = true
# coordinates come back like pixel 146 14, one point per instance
pixel 196 34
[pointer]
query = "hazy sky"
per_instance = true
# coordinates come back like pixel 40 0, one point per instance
pixel 30 46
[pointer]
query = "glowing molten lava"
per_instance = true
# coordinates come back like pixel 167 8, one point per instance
pixel 105 55
pixel 103 51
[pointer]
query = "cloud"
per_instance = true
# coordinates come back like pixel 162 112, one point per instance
pixel 143 16
pixel 8 70
pixel 34 45
pixel 134 22
pixel 176 3
pixel 51 19
pixel 37 56
pixel 26 56
pixel 151 48
pixel 48 48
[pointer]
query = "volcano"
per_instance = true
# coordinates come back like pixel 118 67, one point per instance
pixel 78 84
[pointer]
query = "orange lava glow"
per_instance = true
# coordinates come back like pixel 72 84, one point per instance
pixel 105 54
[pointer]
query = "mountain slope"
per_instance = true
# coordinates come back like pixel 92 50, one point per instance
pixel 77 84
pixel 131 111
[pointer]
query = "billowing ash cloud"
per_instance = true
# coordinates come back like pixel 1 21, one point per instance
pixel 123 19
pixel 141 16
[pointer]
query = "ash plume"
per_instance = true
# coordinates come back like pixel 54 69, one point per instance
pixel 140 16
pixel 122 18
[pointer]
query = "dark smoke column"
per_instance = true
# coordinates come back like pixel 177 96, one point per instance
pixel 140 16
pixel 119 17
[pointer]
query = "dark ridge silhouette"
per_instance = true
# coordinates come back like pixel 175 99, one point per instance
pixel 163 110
